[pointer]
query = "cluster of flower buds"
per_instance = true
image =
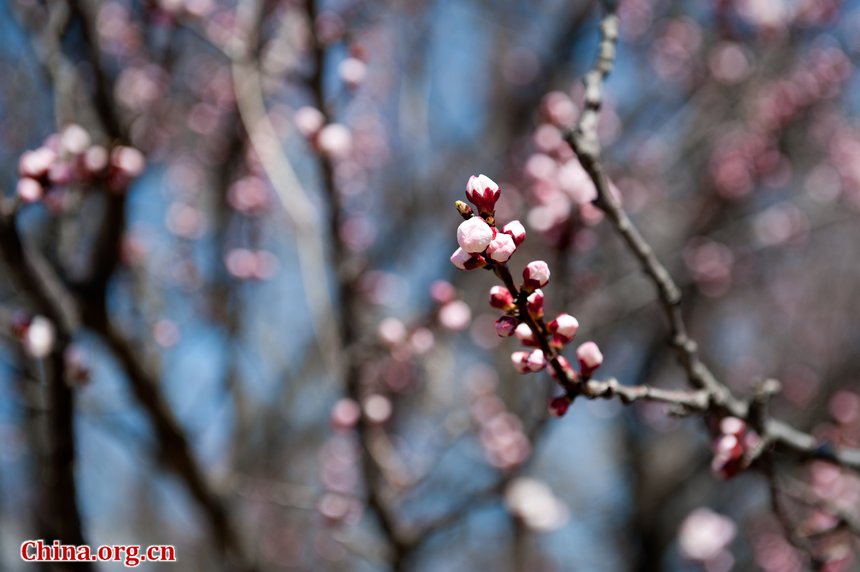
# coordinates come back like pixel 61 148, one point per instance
pixel 69 158
pixel 733 442
pixel 478 237
pixel 482 244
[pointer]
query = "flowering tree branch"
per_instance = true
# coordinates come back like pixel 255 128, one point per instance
pixel 583 139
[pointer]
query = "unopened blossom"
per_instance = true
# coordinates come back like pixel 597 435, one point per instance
pixel 505 326
pixel 36 163
pixel 61 173
pixel 377 408
pixel 520 360
pixel 74 139
pixel 308 120
pixel 515 230
pixel 501 247
pixel 564 326
pixel 335 140
pixel 558 406
pixel 534 303
pixel 483 192
pixel 128 161
pixel 536 360
pixel 40 337
pixel 501 298
pixel 95 159
pixel 535 275
pixel 29 190
pixel 731 446
pixel 733 426
pixel 345 414
pixel 589 357
pixel 474 235
pixel 465 261
pixel 704 534
pixel 352 71
pixel 728 456
pixel 525 334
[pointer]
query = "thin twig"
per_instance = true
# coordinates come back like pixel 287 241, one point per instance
pixel 584 141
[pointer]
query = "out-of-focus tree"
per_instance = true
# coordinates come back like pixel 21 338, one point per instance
pixel 231 323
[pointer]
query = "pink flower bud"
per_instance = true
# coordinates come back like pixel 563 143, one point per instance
pixel 345 414
pixel 564 327
pixel 505 326
pixel 559 406
pixel 60 173
pixel 535 303
pixel 525 335
pixel 465 261
pixel 520 360
pixel 537 360
pixel 308 120
pixel 95 159
pixel 474 235
pixel 335 140
pixel 483 192
pixel 128 161
pixel 377 408
pixel 501 298
pixel 589 357
pixel 29 190
pixel 352 71
pixel 501 247
pixel 74 139
pixel 36 163
pixel 516 230
pixel 733 426
pixel 728 445
pixel 535 275
pixel 728 458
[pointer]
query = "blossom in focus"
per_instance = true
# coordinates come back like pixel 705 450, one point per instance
pixel 535 275
pixel 501 248
pixel 474 235
pixel 465 261
pixel 534 303
pixel 501 298
pixel 483 192
pixel 515 230
pixel 564 326
pixel 520 360
pixel 505 326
